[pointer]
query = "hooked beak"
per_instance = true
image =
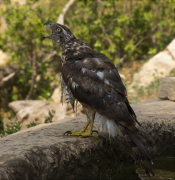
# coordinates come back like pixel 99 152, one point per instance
pixel 46 36
pixel 49 25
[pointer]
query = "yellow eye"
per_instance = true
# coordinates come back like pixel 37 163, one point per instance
pixel 58 29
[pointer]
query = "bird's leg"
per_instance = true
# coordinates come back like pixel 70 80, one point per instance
pixel 89 131
pixel 85 127
pixel 69 133
pixel 82 133
pixel 90 116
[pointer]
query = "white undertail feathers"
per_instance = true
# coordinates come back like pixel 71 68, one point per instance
pixel 107 124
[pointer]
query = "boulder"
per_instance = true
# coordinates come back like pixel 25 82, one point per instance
pixel 157 67
pixel 171 48
pixel 43 152
pixel 167 88
pixel 27 111
pixel 56 96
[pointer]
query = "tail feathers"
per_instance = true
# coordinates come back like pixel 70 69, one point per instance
pixel 139 144
pixel 139 151
pixel 132 113
pixel 139 157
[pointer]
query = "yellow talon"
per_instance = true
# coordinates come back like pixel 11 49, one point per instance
pixel 82 133
pixel 89 135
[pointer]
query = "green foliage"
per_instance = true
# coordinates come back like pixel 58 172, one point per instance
pixel 2 133
pixel 10 127
pixel 118 28
pixel 13 128
pixel 9 116
pixel 23 39
pixel 31 124
pixel 50 117
pixel 172 73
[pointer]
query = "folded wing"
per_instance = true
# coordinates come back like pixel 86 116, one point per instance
pixel 95 82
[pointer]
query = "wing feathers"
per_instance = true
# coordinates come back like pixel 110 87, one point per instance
pixel 96 82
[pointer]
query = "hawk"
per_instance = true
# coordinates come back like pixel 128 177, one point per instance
pixel 92 79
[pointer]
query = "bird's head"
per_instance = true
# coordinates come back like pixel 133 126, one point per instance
pixel 60 33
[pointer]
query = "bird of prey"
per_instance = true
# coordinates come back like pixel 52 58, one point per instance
pixel 92 79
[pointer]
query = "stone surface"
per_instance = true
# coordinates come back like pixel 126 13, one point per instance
pixel 171 48
pixel 164 169
pixel 167 88
pixel 42 152
pixel 123 76
pixel 158 66
pixel 159 175
pixel 56 96
pixel 35 110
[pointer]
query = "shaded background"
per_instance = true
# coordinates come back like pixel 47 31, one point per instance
pixel 128 32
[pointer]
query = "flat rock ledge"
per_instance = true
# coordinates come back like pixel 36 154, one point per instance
pixel 42 152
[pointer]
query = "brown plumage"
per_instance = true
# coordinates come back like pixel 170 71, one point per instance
pixel 93 80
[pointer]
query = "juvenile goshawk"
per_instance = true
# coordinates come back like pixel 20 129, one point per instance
pixel 92 79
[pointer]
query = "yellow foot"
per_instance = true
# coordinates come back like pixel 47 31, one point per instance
pixel 81 134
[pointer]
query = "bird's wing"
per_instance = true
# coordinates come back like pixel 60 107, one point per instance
pixel 95 81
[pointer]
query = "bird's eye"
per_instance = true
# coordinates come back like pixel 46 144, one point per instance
pixel 58 29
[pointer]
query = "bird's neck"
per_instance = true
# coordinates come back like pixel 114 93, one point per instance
pixel 75 47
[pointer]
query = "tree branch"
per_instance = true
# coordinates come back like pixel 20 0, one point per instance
pixel 49 56
pixel 33 78
pixel 121 61
pixel 145 37
pixel 9 80
pixel 60 19
pixel 106 35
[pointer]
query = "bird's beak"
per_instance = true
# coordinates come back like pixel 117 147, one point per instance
pixel 46 36
pixel 49 25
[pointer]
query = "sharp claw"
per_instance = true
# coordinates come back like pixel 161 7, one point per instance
pixel 95 131
pixel 67 132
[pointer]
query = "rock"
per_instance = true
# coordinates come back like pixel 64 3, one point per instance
pixel 159 174
pixel 171 48
pixel 158 66
pixel 36 110
pixel 167 88
pixel 123 76
pixel 163 168
pixel 56 96
pixel 42 152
